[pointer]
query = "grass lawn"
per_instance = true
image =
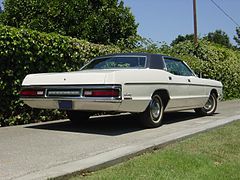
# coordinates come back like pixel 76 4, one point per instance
pixel 211 155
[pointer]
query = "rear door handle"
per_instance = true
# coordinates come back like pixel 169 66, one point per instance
pixel 189 80
pixel 170 78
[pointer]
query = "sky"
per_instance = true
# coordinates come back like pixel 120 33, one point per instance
pixel 164 20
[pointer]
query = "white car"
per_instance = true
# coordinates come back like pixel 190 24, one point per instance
pixel 143 83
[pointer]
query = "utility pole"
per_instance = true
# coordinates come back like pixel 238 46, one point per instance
pixel 195 23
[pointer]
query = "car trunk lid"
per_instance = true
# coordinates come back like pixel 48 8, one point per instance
pixel 70 78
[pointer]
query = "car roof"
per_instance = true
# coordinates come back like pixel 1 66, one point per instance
pixel 131 54
pixel 137 54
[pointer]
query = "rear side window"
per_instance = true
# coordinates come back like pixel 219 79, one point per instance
pixel 177 67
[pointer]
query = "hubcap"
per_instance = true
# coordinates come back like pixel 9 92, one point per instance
pixel 210 104
pixel 155 109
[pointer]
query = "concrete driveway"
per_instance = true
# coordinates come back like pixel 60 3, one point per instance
pixel 39 151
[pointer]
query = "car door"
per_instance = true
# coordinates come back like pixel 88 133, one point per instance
pixel 197 91
pixel 197 88
pixel 179 84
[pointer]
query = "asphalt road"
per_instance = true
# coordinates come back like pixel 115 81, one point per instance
pixel 42 150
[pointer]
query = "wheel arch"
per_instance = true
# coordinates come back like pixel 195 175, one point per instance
pixel 164 94
pixel 214 91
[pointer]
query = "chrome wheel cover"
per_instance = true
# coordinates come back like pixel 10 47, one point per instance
pixel 209 106
pixel 155 109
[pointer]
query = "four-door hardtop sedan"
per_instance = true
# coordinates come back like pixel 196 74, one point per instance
pixel 141 83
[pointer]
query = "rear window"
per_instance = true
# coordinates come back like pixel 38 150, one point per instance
pixel 117 63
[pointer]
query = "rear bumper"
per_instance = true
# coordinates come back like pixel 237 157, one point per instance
pixel 138 105
pixel 77 104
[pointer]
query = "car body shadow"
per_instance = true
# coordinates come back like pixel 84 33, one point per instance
pixel 103 125
pixel 111 125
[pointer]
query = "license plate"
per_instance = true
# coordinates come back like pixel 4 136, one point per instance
pixel 65 104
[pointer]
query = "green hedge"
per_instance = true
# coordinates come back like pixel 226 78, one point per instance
pixel 24 51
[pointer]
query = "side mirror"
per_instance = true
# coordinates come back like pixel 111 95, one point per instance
pixel 198 74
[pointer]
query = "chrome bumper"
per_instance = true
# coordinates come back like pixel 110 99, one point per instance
pixel 77 104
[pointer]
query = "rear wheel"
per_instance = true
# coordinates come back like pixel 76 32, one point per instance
pixel 78 116
pixel 209 108
pixel 152 116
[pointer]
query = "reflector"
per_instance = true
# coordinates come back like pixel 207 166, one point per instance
pixel 101 93
pixel 31 92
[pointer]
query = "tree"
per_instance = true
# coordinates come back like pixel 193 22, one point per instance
pixel 182 38
pixel 1 14
pixel 219 37
pixel 1 9
pixel 237 38
pixel 98 21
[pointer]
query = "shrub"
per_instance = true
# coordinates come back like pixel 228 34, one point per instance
pixel 24 51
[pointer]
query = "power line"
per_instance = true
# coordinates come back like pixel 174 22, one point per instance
pixel 224 12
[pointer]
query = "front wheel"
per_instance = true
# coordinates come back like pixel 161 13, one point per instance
pixel 78 116
pixel 152 116
pixel 209 108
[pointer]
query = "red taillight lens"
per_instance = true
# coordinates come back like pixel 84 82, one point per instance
pixel 101 93
pixel 31 92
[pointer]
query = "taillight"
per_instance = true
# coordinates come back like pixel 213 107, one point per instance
pixel 101 93
pixel 31 92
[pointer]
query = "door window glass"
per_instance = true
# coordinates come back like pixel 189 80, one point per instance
pixel 177 67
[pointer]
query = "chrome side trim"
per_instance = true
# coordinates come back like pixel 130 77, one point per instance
pixel 154 83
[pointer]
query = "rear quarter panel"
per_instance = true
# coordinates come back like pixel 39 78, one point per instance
pixel 138 86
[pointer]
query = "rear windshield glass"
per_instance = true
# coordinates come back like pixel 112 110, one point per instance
pixel 116 63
